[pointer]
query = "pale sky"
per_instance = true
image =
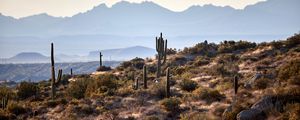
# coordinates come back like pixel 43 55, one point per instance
pixel 62 8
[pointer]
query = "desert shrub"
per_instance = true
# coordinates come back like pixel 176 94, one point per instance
pixel 289 70
pixel 203 49
pixel 103 68
pixel 196 116
pixel 218 70
pixel 4 115
pixel 293 41
pixel 171 104
pixel 180 70
pixel 291 112
pixel 125 91
pixel 231 115
pixel 65 79
pixel 152 118
pixel 188 85
pixel 261 83
pixel 178 61
pixel 224 86
pixel 77 88
pixel 227 58
pixel 52 103
pixel 158 90
pixel 86 109
pixel 171 51
pixel 187 75
pixel 208 94
pixel 104 84
pixel 5 91
pixel 26 89
pixel 231 46
pixel 136 63
pixel 294 80
pixel 15 108
pixel 200 60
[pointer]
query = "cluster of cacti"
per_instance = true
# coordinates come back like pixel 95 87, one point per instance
pixel 4 101
pixel 168 83
pixel 145 76
pixel 161 48
pixel 100 56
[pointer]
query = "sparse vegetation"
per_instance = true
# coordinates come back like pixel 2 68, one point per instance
pixel 200 86
pixel 188 85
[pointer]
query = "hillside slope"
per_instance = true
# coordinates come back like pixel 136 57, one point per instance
pixel 201 87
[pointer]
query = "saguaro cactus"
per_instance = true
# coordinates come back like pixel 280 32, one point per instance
pixel 59 76
pixel 136 83
pixel 71 72
pixel 53 73
pixel 145 76
pixel 236 86
pixel 4 101
pixel 168 83
pixel 100 56
pixel 161 48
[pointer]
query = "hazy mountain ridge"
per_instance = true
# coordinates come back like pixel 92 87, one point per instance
pixel 119 54
pixel 126 18
pixel 41 71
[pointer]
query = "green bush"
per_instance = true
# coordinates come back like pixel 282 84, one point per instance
pixel 171 104
pixel 208 94
pixel 104 84
pixel 26 89
pixel 76 89
pixel 188 85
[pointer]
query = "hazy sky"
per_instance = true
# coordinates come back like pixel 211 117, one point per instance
pixel 22 8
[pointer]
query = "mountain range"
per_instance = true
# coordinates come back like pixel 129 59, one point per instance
pixel 119 54
pixel 129 24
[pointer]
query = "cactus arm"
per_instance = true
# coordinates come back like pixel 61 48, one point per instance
pixel 165 54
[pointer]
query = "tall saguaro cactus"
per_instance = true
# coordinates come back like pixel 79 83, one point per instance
pixel 136 84
pixel 236 86
pixel 145 76
pixel 100 56
pixel 168 83
pixel 4 101
pixel 161 48
pixel 52 73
